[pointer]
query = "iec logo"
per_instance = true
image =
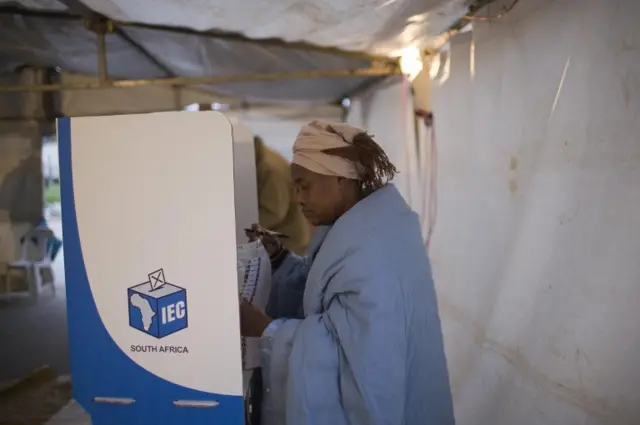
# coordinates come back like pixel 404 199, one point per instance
pixel 157 307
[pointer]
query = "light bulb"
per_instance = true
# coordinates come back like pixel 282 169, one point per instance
pixel 411 62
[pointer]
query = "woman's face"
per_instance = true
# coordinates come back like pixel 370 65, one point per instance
pixel 321 197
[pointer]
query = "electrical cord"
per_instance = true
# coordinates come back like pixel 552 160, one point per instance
pixel 505 10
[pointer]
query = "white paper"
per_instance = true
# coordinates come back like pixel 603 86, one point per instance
pixel 254 285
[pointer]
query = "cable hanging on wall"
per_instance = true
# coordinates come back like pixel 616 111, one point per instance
pixel 430 181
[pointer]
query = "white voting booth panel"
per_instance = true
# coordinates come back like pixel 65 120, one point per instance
pixel 244 173
pixel 150 260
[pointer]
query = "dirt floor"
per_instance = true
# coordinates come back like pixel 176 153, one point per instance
pixel 32 335
pixel 34 399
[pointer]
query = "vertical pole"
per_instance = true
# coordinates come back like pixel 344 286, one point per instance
pixel 102 54
pixel 100 27
pixel 177 97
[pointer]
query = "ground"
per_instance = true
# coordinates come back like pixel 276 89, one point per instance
pixel 36 335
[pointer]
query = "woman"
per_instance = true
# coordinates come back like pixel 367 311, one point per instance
pixel 352 333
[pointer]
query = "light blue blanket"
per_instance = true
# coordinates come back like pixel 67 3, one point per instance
pixel 358 340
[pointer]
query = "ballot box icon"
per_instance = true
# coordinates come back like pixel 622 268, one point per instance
pixel 157 307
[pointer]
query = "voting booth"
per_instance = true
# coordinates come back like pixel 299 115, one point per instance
pixel 149 219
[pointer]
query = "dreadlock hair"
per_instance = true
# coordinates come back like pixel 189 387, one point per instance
pixel 373 165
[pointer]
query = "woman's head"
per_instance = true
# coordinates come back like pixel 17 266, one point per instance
pixel 334 166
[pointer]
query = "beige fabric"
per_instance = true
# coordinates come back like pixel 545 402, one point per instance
pixel 314 138
pixel 277 200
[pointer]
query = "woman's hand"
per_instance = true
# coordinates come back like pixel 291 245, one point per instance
pixel 253 322
pixel 269 239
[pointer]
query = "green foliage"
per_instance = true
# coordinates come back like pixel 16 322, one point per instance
pixel 52 194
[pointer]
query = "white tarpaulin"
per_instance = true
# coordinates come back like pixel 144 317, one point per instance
pixel 380 26
pixel 537 244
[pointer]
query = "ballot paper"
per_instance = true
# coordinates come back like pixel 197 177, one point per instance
pixel 254 285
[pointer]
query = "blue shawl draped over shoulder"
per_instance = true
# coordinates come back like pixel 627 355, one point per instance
pixel 357 338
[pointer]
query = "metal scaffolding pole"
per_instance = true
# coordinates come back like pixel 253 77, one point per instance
pixel 101 27
pixel 214 79
pixel 103 72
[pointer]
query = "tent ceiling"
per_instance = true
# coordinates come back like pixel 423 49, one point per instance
pixel 380 27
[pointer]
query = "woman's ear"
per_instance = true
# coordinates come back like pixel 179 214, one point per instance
pixel 346 183
pixel 343 184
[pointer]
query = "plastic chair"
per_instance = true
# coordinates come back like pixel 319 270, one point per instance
pixel 42 267
pixel 34 270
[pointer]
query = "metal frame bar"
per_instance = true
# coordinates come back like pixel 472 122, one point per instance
pixel 103 72
pixel 215 79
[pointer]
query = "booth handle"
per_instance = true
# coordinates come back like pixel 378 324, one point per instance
pixel 114 400
pixel 202 404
